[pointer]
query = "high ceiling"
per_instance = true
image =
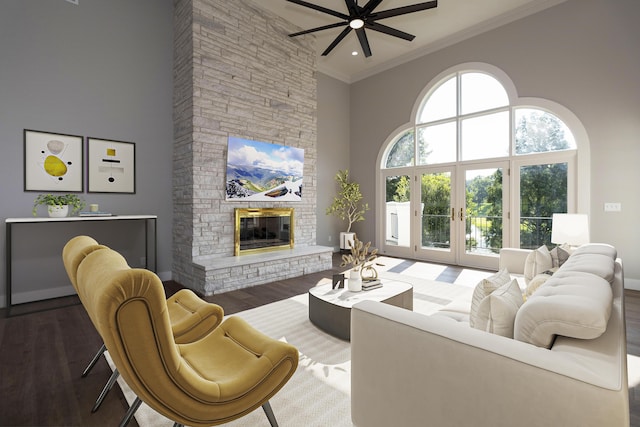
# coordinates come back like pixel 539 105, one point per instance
pixel 450 22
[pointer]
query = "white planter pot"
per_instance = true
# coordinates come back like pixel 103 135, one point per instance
pixel 58 211
pixel 345 238
pixel 354 283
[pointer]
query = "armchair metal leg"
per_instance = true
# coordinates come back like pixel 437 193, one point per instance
pixel 108 386
pixel 269 413
pixel 94 360
pixel 178 425
pixel 132 410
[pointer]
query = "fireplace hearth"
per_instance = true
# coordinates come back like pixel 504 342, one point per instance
pixel 263 229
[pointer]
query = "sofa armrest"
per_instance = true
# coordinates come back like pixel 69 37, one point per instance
pixel 410 369
pixel 513 259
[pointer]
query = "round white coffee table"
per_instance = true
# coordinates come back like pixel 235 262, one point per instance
pixel 330 309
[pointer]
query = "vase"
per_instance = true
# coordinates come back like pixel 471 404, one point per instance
pixel 354 284
pixel 56 211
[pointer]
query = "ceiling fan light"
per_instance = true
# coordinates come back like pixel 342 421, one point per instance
pixel 356 23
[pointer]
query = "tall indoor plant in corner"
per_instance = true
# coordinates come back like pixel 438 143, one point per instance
pixel 347 205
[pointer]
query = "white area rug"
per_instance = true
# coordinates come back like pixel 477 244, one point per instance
pixel 318 394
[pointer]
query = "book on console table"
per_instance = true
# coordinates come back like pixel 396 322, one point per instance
pixel 367 285
pixel 95 214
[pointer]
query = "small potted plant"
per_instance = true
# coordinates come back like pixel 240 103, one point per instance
pixel 347 206
pixel 58 205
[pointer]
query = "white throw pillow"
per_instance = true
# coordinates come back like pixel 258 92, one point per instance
pixel 497 312
pixel 537 262
pixel 486 287
pixel 535 283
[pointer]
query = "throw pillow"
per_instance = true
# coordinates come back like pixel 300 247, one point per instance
pixel 536 282
pixel 485 287
pixel 497 312
pixel 537 262
pixel 559 255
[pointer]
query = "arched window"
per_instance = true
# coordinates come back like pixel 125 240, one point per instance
pixel 504 165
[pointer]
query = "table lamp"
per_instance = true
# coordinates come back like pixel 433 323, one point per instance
pixel 571 229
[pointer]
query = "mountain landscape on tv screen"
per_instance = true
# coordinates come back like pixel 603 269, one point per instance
pixel 263 171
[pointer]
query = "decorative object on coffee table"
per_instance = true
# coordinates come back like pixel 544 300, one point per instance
pixel 338 281
pixel 362 263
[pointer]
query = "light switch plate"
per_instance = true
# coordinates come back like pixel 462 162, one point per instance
pixel 612 207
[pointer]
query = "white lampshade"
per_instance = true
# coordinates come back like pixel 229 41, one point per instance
pixel 572 229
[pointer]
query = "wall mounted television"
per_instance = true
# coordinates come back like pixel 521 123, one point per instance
pixel 262 171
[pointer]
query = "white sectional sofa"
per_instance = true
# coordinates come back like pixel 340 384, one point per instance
pixel 566 365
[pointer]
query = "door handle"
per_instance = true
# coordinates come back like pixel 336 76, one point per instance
pixel 461 215
pixel 453 214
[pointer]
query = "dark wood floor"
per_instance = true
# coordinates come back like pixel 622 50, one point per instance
pixel 42 355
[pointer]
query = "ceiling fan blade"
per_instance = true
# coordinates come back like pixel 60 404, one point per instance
pixel 324 27
pixel 372 4
pixel 403 10
pixel 388 30
pixel 338 39
pixel 320 9
pixel 352 7
pixel 362 36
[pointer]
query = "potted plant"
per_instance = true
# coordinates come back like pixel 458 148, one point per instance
pixel 58 205
pixel 347 206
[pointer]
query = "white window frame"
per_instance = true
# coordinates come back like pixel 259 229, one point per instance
pixel 578 180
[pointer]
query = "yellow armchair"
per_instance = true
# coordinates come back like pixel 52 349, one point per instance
pixel 191 317
pixel 223 376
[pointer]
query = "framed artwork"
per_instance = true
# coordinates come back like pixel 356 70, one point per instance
pixel 261 171
pixel 53 162
pixel 111 166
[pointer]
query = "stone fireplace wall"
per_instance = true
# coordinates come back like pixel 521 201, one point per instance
pixel 236 73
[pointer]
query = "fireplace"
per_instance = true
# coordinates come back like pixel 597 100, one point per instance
pixel 263 229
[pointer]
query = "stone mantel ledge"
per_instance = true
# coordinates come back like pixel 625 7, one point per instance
pixel 215 273
pixel 217 261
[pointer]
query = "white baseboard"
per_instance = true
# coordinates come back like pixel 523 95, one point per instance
pixel 165 275
pixel 633 284
pixel 41 294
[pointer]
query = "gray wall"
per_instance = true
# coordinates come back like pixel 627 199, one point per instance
pixel 100 69
pixel 333 153
pixel 583 54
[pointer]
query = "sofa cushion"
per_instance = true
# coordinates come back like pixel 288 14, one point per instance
pixel 599 264
pixel 484 288
pixel 497 311
pixel 576 305
pixel 537 261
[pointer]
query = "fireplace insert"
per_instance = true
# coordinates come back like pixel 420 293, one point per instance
pixel 263 229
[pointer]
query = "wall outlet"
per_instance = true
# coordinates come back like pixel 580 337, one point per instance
pixel 329 237
pixel 612 207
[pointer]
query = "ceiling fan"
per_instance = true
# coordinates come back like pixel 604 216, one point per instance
pixel 361 17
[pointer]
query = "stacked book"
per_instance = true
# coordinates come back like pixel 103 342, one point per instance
pixel 96 213
pixel 367 285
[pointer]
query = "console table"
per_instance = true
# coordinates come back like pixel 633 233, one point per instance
pixel 51 224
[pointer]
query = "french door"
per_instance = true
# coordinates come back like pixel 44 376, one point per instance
pixel 453 214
